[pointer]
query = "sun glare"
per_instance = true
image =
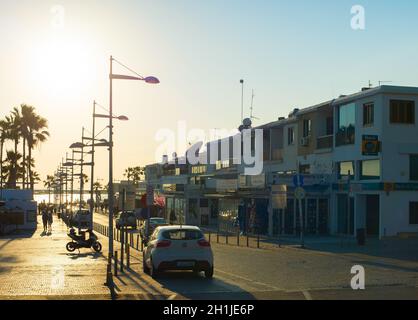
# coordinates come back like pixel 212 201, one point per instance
pixel 63 67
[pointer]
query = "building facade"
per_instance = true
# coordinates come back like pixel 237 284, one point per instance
pixel 358 155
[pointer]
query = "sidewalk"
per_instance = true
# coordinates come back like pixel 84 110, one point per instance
pixel 37 266
pixel 392 248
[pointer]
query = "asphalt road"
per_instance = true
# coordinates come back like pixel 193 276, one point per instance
pixel 293 273
pixel 36 266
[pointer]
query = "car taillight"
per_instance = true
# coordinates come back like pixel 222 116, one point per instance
pixel 203 243
pixel 163 244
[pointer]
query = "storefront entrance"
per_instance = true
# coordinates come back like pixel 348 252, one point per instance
pixel 372 215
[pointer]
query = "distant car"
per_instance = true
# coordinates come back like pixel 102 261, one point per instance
pixel 82 219
pixel 154 223
pixel 126 219
pixel 178 248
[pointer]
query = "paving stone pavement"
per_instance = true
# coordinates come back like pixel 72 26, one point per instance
pixel 36 265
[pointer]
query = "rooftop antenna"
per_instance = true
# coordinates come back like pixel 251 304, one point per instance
pixel 252 107
pixel 370 84
pixel 242 99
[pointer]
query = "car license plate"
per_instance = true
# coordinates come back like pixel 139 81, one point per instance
pixel 185 264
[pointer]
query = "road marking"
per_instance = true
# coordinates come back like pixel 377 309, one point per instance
pixel 307 295
pixel 250 280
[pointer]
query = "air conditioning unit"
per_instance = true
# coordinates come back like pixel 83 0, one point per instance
pixel 304 141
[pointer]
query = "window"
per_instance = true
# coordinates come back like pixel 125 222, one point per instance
pixel 368 114
pixel 402 111
pixel 290 136
pixel 346 124
pixel 307 127
pixel 413 167
pixel 330 126
pixel 345 168
pixel 413 213
pixel 198 169
pixel 305 169
pixel 370 170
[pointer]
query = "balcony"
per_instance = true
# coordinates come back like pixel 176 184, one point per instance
pixel 325 142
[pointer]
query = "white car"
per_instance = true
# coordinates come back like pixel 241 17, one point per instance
pixel 178 248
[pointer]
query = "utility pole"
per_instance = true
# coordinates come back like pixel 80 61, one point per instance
pixel 81 173
pixel 92 164
pixel 242 100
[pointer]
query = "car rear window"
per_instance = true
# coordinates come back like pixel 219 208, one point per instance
pixel 182 234
pixel 158 221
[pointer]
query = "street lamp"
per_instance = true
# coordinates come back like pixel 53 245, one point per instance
pixel 112 76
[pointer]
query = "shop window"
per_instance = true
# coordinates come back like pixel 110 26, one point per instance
pixel 370 170
pixel 413 167
pixel 345 169
pixel 413 213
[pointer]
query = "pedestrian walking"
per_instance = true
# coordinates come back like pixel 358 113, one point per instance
pixel 45 220
pixel 50 221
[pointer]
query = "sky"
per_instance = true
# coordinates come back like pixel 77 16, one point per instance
pixel 54 55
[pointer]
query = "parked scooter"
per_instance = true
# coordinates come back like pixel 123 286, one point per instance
pixel 80 241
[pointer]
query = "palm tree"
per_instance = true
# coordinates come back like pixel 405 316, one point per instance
pixel 36 134
pixel 49 183
pixel 97 187
pixel 13 122
pixel 12 171
pixel 137 173
pixel 128 173
pixel 4 135
pixel 134 174
pixel 27 119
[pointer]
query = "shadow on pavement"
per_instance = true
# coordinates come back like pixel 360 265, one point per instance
pixel 189 285
pixel 92 255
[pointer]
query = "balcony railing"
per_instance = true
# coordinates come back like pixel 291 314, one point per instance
pixel 325 142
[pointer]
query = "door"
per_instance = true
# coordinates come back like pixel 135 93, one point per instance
pixel 323 216
pixel 372 215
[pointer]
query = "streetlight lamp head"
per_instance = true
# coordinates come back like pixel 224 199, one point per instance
pixel 123 118
pixel 152 80
pixel 77 145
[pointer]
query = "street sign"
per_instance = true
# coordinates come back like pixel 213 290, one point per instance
pixel 370 145
pixel 298 180
pixel 150 195
pixel 300 193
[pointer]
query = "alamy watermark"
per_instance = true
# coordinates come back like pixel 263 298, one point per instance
pixel 241 148
pixel 57 16
pixel 358 20
pixel 358 282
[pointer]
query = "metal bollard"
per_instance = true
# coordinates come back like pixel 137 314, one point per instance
pixel 137 241
pixel 128 257
pixel 116 263
pixel 226 238
pixel 217 237
pixel 238 238
pixel 248 240
pixel 258 241
pixel 209 236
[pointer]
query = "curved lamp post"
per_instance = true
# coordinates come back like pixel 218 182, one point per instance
pixel 112 76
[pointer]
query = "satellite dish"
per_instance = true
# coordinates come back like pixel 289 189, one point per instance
pixel 247 122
